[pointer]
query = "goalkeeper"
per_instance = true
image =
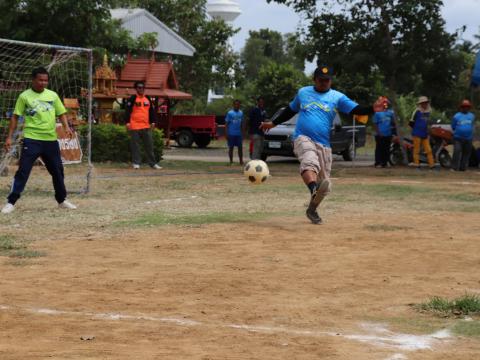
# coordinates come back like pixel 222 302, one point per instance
pixel 317 106
pixel 40 108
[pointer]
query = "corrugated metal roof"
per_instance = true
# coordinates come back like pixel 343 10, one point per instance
pixel 140 21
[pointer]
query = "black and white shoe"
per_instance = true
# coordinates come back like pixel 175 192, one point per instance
pixel 313 216
pixel 319 194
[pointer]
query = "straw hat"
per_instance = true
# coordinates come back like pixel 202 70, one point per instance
pixel 422 99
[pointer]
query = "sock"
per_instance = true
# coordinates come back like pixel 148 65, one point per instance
pixel 312 186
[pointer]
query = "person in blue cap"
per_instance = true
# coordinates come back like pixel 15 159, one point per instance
pixel 317 106
pixel 463 126
pixel 384 124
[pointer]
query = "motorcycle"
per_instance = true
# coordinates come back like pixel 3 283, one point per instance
pixel 440 137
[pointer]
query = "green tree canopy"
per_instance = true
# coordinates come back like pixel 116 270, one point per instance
pixel 402 41
pixel 85 23
pixel 265 46
pixel 278 84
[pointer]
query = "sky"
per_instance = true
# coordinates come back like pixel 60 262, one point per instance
pixel 258 14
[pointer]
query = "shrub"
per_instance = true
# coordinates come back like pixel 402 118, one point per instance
pixel 112 143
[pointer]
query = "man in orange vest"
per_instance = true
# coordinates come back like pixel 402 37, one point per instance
pixel 140 120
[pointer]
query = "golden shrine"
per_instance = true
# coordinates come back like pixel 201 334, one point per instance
pixel 105 79
pixel 104 91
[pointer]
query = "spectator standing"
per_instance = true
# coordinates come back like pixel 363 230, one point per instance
pixel 257 116
pixel 419 124
pixel 384 124
pixel 463 125
pixel 140 120
pixel 234 127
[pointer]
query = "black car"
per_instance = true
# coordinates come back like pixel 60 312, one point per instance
pixel 279 140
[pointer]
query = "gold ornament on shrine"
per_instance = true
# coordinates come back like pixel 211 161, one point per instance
pixel 105 79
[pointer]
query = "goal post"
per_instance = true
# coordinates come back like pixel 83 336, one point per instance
pixel 70 76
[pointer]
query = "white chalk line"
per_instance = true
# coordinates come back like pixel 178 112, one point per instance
pixel 373 334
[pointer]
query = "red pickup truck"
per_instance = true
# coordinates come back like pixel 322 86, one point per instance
pixel 187 129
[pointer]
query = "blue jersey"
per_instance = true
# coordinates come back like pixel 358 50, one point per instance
pixel 384 121
pixel 317 111
pixel 234 121
pixel 420 125
pixel 463 126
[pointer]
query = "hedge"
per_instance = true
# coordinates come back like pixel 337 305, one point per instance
pixel 112 143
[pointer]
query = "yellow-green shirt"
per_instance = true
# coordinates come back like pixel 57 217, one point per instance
pixel 40 111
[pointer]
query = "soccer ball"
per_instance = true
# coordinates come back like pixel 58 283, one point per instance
pixel 256 171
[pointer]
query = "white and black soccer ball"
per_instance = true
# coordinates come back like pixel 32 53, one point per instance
pixel 256 171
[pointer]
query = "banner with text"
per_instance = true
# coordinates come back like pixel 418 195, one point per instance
pixel 70 149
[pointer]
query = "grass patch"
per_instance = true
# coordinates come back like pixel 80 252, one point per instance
pixel 462 197
pixel 193 165
pixel 467 328
pixel 468 209
pixel 418 325
pixel 27 254
pixel 395 191
pixel 381 227
pixel 9 247
pixel 178 185
pixel 281 189
pixel 159 219
pixel 465 305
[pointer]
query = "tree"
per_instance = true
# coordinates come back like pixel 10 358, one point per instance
pixel 278 84
pixel 405 41
pixel 85 23
pixel 265 46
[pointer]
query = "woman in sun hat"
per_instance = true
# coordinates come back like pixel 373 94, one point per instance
pixel 419 124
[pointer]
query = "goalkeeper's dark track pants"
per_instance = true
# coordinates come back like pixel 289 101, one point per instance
pixel 49 152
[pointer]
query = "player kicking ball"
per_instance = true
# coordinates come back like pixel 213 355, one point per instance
pixel 317 106
pixel 40 107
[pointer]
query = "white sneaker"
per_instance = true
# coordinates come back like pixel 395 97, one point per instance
pixel 157 167
pixel 8 208
pixel 136 166
pixel 67 205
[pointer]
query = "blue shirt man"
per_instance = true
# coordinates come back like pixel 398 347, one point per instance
pixel 317 107
pixel 234 120
pixel 463 125
pixel 233 123
pixel 384 121
pixel 317 110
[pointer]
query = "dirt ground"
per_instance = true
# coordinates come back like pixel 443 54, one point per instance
pixel 194 263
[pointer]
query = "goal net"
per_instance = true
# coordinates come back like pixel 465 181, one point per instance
pixel 70 76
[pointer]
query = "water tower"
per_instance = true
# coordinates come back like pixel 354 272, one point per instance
pixel 228 11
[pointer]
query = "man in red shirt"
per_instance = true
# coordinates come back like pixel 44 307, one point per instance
pixel 140 119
